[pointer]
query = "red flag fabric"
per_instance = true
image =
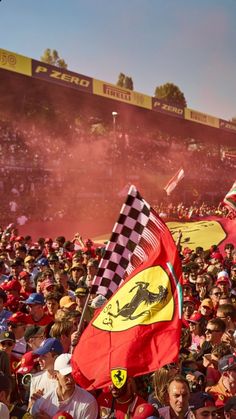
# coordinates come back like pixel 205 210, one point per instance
pixel 139 327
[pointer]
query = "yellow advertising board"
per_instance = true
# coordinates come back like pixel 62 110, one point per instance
pixel 111 91
pixel 201 118
pixel 15 62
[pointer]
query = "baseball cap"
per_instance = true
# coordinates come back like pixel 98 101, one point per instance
pixel 207 302
pixel 195 318
pixel 66 302
pixel 217 256
pixel 53 258
pixel 33 331
pixel 145 411
pixel 18 317
pixel 42 262
pixel 7 336
pixel 29 258
pixel 27 363
pixel 50 345
pixel 81 291
pixel 23 274
pixel 77 266
pixel 62 415
pixel 227 362
pixel 35 298
pixel 222 277
pixel 190 300
pixel 200 399
pixel 62 364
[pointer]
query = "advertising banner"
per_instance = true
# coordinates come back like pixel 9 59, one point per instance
pixel 227 125
pixel 201 118
pixel 15 62
pixel 61 76
pixel 163 107
pixel 122 95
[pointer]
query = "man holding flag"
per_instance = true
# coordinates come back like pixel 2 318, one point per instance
pixel 138 329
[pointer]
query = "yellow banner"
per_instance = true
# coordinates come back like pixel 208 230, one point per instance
pixel 15 62
pixel 201 118
pixel 122 95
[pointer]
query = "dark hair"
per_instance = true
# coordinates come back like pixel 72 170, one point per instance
pixel 229 310
pixel 221 349
pixel 219 323
pixel 54 295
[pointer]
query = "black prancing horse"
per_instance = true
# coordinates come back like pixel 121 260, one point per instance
pixel 142 296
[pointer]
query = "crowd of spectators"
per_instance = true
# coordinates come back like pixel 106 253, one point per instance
pixel 49 173
pixel 44 287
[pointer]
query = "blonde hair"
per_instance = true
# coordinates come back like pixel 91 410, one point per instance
pixel 60 328
pixel 160 380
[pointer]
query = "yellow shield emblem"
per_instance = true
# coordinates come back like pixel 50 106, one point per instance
pixel 118 377
pixel 145 299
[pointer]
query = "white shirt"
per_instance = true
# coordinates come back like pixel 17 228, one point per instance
pixel 81 404
pixel 42 381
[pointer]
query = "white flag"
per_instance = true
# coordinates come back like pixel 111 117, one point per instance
pixel 171 185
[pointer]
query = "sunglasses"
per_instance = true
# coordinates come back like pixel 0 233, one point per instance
pixel 210 331
pixel 217 293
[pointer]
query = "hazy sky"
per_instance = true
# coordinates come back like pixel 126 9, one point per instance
pixel 188 42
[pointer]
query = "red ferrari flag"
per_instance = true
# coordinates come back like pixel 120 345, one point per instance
pixel 139 327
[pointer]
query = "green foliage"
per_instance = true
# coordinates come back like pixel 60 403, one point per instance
pixel 125 82
pixel 169 92
pixel 52 57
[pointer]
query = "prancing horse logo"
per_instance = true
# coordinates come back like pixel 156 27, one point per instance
pixel 143 295
pixel 144 299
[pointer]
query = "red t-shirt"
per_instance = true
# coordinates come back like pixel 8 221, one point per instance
pixel 104 401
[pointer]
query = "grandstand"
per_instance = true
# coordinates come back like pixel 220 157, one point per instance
pixel 70 143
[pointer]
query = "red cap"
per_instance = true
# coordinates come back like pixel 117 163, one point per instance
pixel 190 299
pixel 217 255
pixel 47 283
pixel 13 284
pixel 17 317
pixel 195 318
pixel 28 362
pixel 143 411
pixel 62 415
pixel 23 274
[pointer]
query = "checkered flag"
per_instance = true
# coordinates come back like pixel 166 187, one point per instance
pixel 135 236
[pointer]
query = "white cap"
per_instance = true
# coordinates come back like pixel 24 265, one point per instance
pixel 62 364
pixel 222 274
pixel 4 411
